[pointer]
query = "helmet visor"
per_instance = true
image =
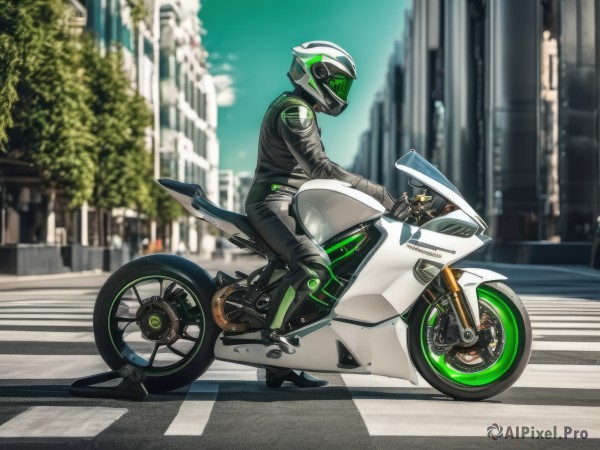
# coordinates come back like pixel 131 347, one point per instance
pixel 296 71
pixel 340 85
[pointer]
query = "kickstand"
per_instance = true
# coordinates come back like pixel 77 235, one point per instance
pixel 131 386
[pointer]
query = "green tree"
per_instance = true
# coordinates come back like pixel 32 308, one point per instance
pixel 124 165
pixel 51 118
pixel 15 28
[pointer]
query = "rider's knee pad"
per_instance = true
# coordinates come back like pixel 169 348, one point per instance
pixel 315 274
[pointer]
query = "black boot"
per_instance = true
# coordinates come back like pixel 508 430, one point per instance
pixel 275 379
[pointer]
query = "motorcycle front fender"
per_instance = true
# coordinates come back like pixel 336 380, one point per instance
pixel 468 281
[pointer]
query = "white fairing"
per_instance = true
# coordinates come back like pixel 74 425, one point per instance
pixel 328 207
pixel 386 282
pixel 371 347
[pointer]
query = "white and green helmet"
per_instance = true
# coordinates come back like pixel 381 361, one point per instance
pixel 326 72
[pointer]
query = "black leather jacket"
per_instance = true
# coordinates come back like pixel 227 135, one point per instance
pixel 290 151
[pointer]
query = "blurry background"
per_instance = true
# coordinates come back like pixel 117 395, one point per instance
pixel 100 97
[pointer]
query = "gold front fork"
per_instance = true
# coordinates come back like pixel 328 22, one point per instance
pixel 464 319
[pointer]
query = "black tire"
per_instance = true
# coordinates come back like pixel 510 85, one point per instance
pixel 185 273
pixel 463 391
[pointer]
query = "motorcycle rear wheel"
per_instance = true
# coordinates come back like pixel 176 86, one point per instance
pixel 474 373
pixel 181 292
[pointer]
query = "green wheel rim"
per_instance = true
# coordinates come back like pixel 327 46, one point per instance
pixel 499 304
pixel 167 369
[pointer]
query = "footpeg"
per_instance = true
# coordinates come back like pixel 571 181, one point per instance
pixel 286 345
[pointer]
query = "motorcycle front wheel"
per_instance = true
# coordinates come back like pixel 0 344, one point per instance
pixel 488 367
pixel 154 314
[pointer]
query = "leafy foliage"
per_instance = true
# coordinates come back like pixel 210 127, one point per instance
pixel 51 119
pixel 14 27
pixel 138 10
pixel 124 169
pixel 71 111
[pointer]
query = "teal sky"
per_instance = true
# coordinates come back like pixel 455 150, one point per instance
pixel 249 42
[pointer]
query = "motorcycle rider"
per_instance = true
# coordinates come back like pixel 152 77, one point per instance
pixel 290 152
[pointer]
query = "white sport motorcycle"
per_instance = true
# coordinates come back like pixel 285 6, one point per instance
pixel 394 305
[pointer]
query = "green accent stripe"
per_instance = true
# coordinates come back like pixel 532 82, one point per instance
pixel 346 241
pixel 329 295
pixel 313 60
pixel 348 253
pixel 283 307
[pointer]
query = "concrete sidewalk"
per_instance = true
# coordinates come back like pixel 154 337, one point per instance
pixel 51 276
pixel 94 279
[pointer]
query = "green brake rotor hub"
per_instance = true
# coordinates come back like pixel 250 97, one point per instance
pixel 497 304
pixel 155 321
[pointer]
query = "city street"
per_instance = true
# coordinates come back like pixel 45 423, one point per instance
pixel 46 342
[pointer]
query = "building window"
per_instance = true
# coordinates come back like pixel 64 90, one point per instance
pixel 202 111
pixel 168 116
pixel 202 149
pixel 167 63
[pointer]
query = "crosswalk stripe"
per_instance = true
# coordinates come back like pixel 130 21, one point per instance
pixel 34 306
pixel 560 346
pixel 46 316
pixel 45 336
pixel 575 332
pixel 558 304
pixel 591 305
pixel 195 410
pixel 565 318
pixel 562 311
pixel 46 323
pixel 533 297
pixel 76 310
pixel 47 299
pixel 221 371
pixel 560 376
pixel 49 367
pixel 61 421
pixel 404 417
pixel 50 292
pixel 574 325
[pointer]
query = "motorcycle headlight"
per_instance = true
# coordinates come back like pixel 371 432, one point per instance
pixel 425 271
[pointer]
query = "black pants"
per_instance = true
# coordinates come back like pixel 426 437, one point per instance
pixel 268 212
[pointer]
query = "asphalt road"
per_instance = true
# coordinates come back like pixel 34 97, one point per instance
pixel 46 343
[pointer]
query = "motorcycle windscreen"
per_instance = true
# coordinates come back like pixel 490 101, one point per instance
pixel 419 168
